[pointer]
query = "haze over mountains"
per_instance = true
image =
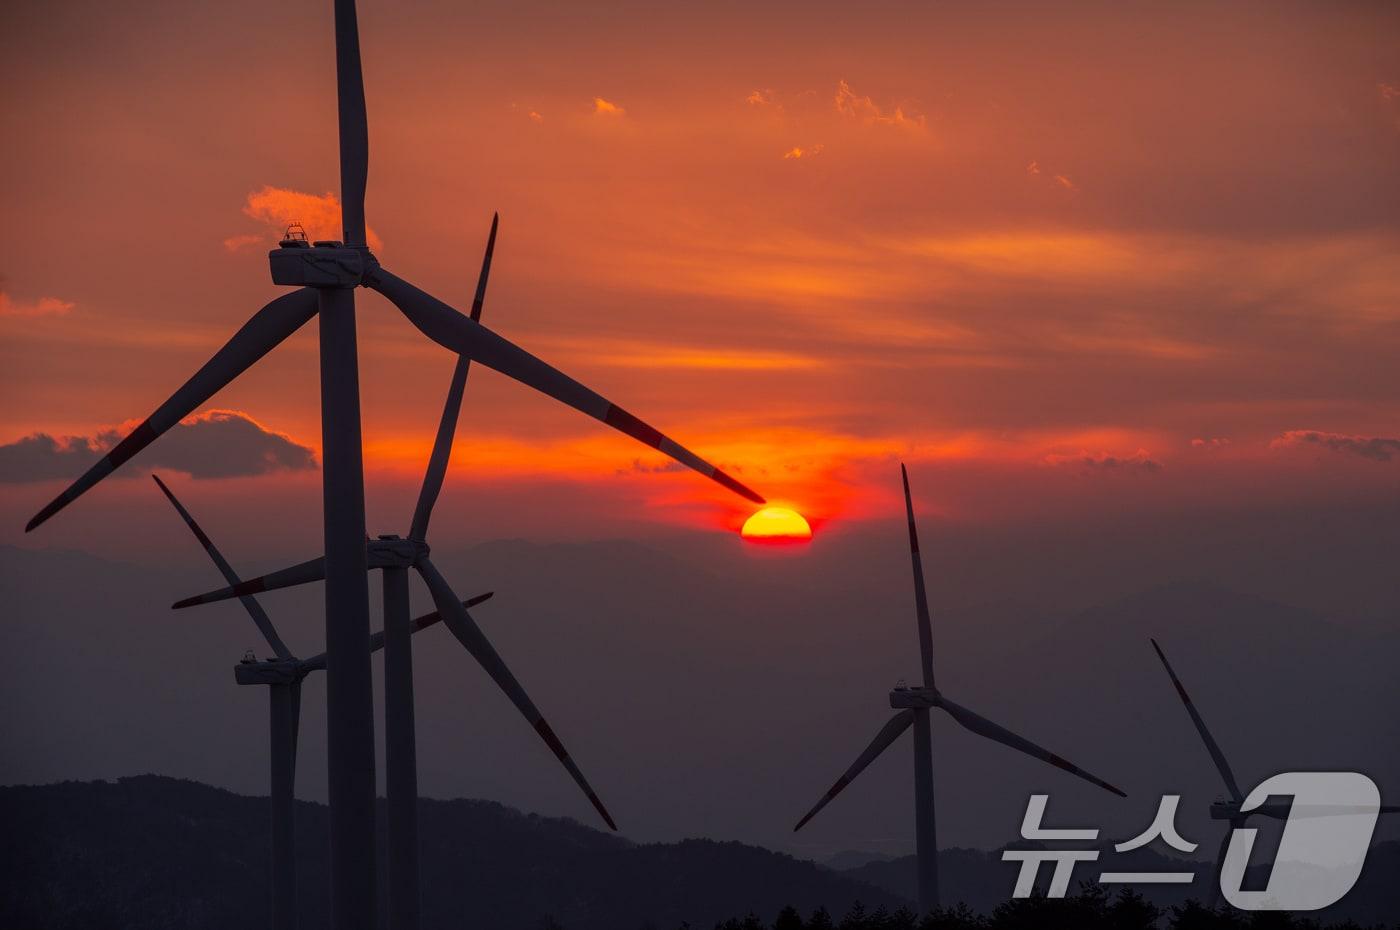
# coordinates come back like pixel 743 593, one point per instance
pixel 708 691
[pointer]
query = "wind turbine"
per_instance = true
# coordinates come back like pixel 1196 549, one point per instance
pixel 394 556
pixel 1228 809
pixel 913 706
pixel 282 675
pixel 326 275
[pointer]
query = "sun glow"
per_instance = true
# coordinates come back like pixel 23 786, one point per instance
pixel 776 525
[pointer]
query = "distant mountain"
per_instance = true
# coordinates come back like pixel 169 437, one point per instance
pixel 150 853
pixel 854 859
pixel 154 853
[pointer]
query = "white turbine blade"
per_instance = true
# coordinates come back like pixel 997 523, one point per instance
pixel 250 604
pixel 462 335
pixel 260 335
pixel 447 426
pixel 984 727
pixel 305 573
pixel 354 125
pixel 456 619
pixel 888 734
pixel 920 595
pixel 1211 746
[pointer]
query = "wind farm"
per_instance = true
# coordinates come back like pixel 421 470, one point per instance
pixel 1113 290
pixel 282 674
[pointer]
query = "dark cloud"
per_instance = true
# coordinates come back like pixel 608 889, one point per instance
pixel 638 467
pixel 1137 463
pixel 1375 448
pixel 215 444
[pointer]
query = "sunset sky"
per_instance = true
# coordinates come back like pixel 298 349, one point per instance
pixel 1089 260
pixel 1119 283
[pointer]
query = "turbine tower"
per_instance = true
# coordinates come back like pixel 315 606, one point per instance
pixel 913 706
pixel 283 676
pixel 1229 809
pixel 326 274
pixel 394 556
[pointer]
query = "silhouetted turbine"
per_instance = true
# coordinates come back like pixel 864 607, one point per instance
pixel 914 705
pixel 326 276
pixel 283 676
pixel 395 556
pixel 1229 810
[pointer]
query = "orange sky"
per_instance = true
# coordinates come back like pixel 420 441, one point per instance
pixel 1080 263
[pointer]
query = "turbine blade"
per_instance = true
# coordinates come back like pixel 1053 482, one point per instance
pixel 456 618
pixel 250 604
pixel 305 573
pixel 447 426
pixel 1211 746
pixel 888 734
pixel 920 595
pixel 260 335
pixel 460 334
pixel 376 640
pixel 354 125
pixel 984 727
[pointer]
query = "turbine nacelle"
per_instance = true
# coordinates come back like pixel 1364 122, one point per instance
pixel 269 672
pixel 1229 809
pixel 918 698
pixel 327 263
pixel 395 552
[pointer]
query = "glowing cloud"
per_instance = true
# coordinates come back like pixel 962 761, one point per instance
pixel 44 306
pixel 320 214
pixel 849 103
pixel 603 107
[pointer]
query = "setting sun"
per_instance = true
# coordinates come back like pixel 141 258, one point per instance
pixel 776 525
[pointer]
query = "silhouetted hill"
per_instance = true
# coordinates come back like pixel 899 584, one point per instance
pixel 154 852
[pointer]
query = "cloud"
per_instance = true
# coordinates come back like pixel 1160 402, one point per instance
pixel 1066 183
pixel 760 98
pixel 1388 91
pixel 1375 448
pixel 603 107
pixel 849 103
pixel 1211 442
pixel 1033 167
pixel 798 152
pixel 234 243
pixel 1137 463
pixel 536 117
pixel 213 444
pixel 278 207
pixel 638 467
pixel 44 306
